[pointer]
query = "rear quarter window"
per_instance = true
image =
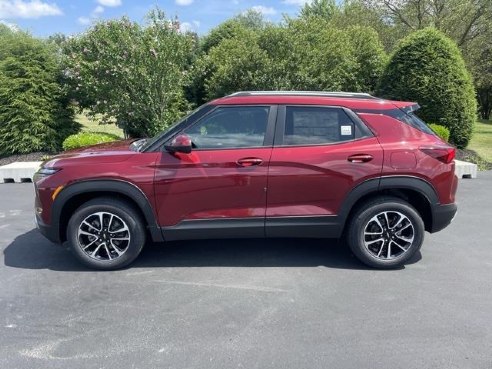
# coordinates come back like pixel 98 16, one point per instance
pixel 411 119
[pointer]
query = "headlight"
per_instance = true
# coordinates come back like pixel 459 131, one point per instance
pixel 47 171
pixel 44 172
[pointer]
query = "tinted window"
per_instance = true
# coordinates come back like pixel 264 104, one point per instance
pixel 410 119
pixel 230 127
pixel 315 125
pixel 195 114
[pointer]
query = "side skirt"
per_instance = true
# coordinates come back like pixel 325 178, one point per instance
pixel 293 227
pixel 327 226
pixel 215 228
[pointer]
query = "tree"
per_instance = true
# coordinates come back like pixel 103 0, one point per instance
pixel 322 57
pixel 236 64
pixel 131 74
pixel 370 56
pixel 467 22
pixel 319 8
pixel 482 71
pixel 479 59
pixel 427 67
pixel 35 111
pixel 461 20
pixel 250 20
pixel 353 13
pixel 301 54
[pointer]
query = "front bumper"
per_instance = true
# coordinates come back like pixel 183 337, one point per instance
pixel 46 230
pixel 442 216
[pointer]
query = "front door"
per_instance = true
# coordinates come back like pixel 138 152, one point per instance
pixel 219 189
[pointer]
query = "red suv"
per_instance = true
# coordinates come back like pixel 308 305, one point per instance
pixel 258 164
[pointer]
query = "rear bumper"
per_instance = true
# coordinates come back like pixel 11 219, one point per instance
pixel 46 230
pixel 442 216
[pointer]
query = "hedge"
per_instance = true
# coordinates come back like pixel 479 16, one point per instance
pixel 84 139
pixel 439 130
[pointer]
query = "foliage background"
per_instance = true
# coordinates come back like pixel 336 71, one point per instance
pixel 35 111
pixel 143 76
pixel 427 67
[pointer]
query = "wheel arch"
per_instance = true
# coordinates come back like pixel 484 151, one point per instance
pixel 416 191
pixel 74 195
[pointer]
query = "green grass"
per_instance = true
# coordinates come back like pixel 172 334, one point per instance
pixel 90 125
pixel 481 141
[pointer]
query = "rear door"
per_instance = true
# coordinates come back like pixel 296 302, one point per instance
pixel 320 154
pixel 219 189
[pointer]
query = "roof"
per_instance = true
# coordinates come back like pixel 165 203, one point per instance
pixel 355 95
pixel 351 100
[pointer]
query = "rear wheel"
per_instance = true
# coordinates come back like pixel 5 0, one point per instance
pixel 385 232
pixel 106 234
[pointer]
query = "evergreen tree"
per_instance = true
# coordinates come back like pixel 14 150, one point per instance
pixel 427 67
pixel 35 114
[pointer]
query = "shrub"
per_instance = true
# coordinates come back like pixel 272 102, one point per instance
pixel 84 139
pixel 35 112
pixel 427 67
pixel 439 130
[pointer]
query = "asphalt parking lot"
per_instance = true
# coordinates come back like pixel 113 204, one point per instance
pixel 248 303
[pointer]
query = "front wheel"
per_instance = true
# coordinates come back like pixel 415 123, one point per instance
pixel 385 232
pixel 106 234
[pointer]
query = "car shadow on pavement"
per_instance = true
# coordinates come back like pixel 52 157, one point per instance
pixel 32 251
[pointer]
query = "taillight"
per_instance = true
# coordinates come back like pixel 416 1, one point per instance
pixel 444 154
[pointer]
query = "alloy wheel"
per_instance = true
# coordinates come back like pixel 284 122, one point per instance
pixel 103 236
pixel 388 235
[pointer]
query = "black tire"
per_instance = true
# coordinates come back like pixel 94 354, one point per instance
pixel 122 216
pixel 370 219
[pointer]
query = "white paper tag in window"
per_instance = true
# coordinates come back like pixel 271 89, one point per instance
pixel 346 130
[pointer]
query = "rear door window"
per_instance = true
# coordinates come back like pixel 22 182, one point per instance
pixel 305 125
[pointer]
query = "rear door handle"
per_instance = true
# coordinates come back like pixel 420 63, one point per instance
pixel 249 162
pixel 360 158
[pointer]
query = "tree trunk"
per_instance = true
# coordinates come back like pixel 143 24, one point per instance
pixel 485 102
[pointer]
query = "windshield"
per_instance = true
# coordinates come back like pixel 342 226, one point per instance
pixel 150 141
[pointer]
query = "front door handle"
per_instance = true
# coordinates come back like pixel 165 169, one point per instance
pixel 360 158
pixel 249 162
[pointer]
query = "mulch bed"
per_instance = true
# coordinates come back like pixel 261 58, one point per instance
pixel 35 156
pixel 473 157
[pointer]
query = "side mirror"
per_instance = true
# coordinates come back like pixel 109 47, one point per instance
pixel 180 143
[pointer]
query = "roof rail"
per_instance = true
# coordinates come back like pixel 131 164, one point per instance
pixel 356 95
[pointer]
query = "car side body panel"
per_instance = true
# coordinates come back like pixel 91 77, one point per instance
pixel 401 144
pixel 288 191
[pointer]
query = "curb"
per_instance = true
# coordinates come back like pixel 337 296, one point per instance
pixel 464 169
pixel 20 171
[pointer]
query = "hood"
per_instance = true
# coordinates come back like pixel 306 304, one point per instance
pixel 109 152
